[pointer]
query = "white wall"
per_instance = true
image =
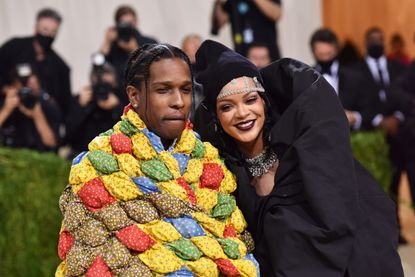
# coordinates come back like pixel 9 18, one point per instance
pixel 85 21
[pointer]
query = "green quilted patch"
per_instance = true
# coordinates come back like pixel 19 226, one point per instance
pixel 157 170
pixel 103 162
pixel 185 249
pixel 224 207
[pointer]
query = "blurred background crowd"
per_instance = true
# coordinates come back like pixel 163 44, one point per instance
pixel 62 62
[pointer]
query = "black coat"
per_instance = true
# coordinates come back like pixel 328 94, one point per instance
pixel 395 97
pixel 354 96
pixel 326 216
pixel 53 72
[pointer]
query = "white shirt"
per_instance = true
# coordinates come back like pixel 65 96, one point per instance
pixel 373 66
pixel 333 80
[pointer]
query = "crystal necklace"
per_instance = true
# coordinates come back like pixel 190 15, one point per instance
pixel 262 163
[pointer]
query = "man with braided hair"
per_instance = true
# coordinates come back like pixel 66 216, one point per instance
pixel 149 198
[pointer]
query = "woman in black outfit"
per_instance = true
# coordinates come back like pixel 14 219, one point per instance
pixel 313 210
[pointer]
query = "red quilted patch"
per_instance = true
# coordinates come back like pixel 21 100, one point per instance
pixel 94 195
pixel 127 108
pixel 135 238
pixel 64 244
pixel 98 269
pixel 120 143
pixel 190 193
pixel 229 232
pixel 189 125
pixel 227 268
pixel 212 176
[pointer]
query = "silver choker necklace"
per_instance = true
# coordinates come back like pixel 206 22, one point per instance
pixel 262 163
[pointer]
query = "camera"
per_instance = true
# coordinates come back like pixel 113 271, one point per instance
pixel 27 97
pixel 125 31
pixel 100 88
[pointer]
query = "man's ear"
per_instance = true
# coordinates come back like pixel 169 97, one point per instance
pixel 133 96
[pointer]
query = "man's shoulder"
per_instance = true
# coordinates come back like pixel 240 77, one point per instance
pixel 18 42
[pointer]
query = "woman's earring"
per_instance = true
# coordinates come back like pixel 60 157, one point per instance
pixel 135 105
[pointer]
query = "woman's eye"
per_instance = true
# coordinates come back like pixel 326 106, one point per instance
pixel 225 108
pixel 251 100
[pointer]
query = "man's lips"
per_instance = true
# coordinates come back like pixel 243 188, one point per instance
pixel 245 125
pixel 175 118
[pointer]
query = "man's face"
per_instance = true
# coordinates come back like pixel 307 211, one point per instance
pixel 166 104
pixel 324 51
pixel 128 18
pixel 259 56
pixel 47 26
pixel 375 38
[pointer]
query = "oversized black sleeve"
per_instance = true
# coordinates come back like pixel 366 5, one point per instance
pixel 312 234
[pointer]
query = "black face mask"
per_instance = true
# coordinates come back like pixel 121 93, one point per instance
pixel 45 41
pixel 375 51
pixel 325 66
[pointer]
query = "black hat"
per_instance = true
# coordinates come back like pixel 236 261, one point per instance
pixel 217 65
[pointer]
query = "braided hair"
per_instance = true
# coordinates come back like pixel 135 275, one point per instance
pixel 138 65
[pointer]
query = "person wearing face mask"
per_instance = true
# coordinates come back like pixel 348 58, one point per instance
pixel 95 109
pixel 348 85
pixel 53 72
pixel 120 40
pixel 383 78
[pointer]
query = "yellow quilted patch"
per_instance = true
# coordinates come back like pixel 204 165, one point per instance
pixel 160 259
pixel 121 186
pixel 116 127
pixel 210 247
pixel 134 119
pixel 211 153
pixel 203 267
pixel 194 171
pixel 142 148
pixel 171 163
pixel 246 268
pixel 228 184
pixel 100 143
pixel 61 270
pixel 237 220
pixel 81 174
pixel 129 165
pixel 186 143
pixel 173 188
pixel 161 231
pixel 242 247
pixel 212 225
pixel 206 198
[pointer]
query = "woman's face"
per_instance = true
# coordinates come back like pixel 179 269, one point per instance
pixel 242 116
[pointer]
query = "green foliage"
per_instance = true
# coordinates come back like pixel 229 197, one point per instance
pixel 371 150
pixel 30 186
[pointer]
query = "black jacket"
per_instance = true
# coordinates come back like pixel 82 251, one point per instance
pixel 53 72
pixel 395 98
pixel 326 216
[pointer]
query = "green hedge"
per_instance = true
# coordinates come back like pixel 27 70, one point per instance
pixel 30 186
pixel 371 150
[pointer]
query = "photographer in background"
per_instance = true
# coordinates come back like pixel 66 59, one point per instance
pixel 120 40
pixel 96 108
pixel 52 71
pixel 29 117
